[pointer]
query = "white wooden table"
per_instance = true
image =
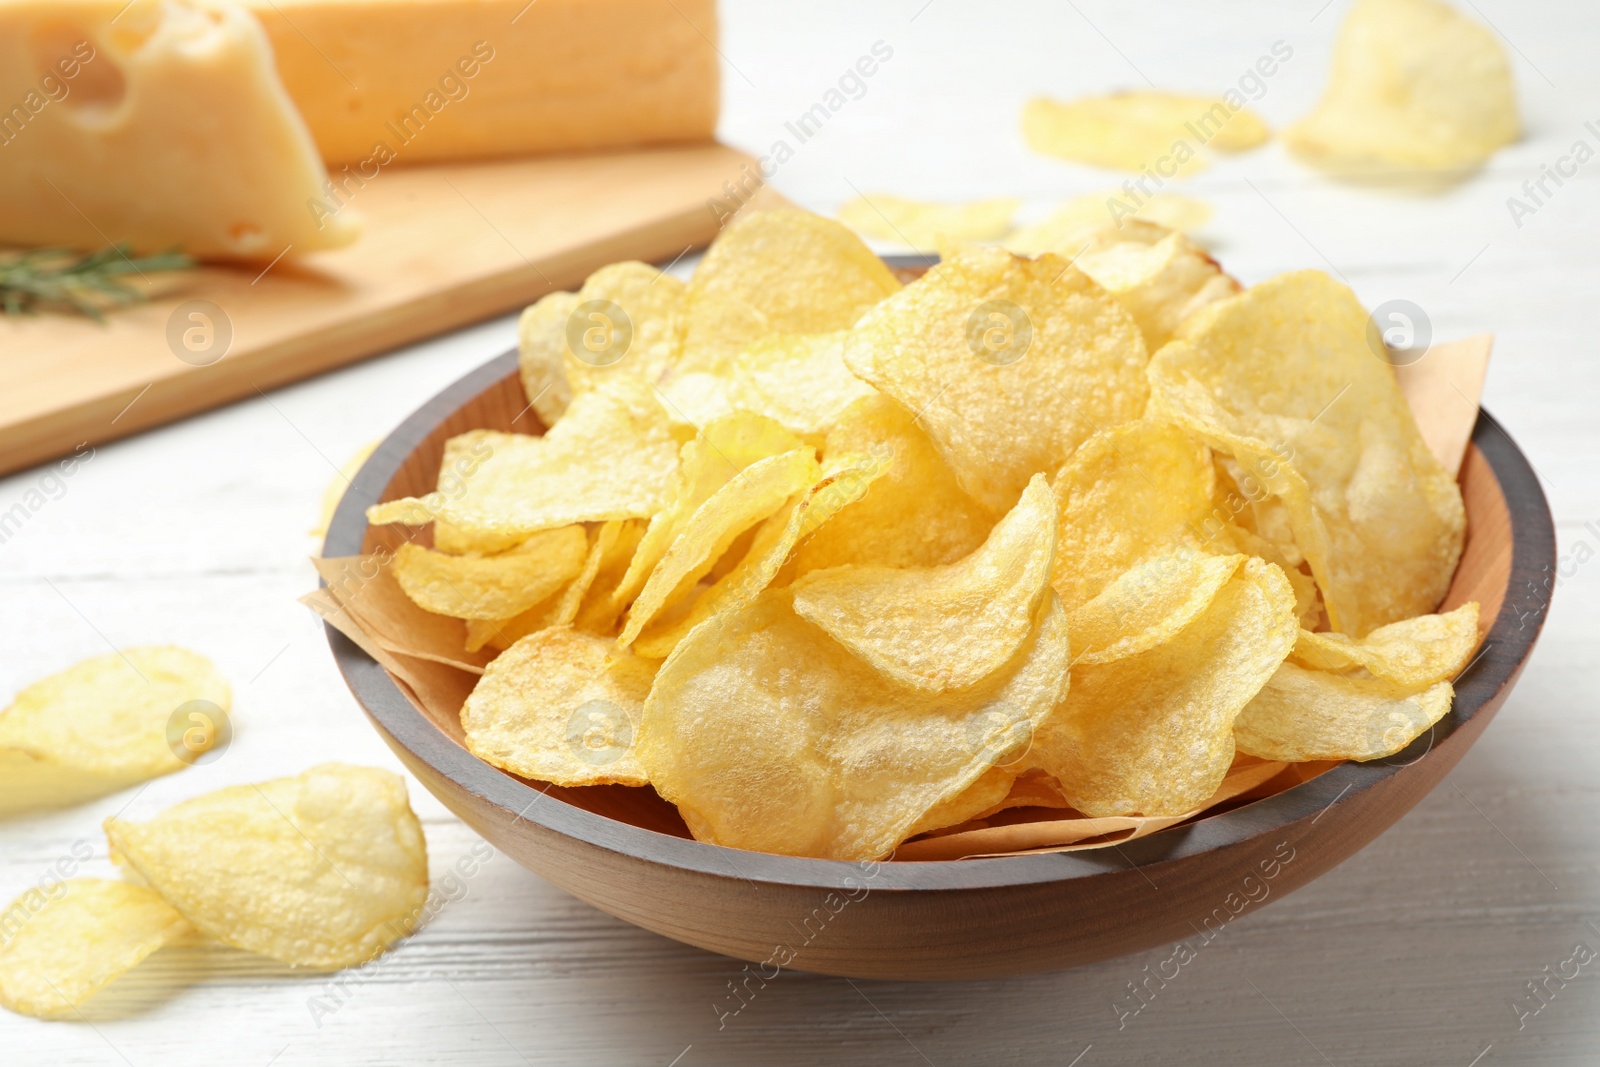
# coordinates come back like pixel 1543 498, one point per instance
pixel 1414 951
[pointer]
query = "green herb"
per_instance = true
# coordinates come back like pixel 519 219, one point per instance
pixel 87 283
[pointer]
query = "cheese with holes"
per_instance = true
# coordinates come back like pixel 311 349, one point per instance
pixel 409 81
pixel 161 124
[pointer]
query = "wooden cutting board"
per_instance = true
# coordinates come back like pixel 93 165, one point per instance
pixel 441 247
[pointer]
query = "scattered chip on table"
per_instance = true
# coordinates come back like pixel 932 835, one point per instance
pixel 110 722
pixel 1417 90
pixel 323 870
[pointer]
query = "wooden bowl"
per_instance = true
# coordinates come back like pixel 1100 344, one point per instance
pixel 627 852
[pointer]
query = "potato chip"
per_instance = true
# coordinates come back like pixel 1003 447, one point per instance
pixel 1160 283
pixel 777 272
pixel 915 514
pixel 491 587
pixel 1413 653
pixel 982 796
pixel 1244 506
pixel 1141 131
pixel 1008 363
pixel 324 870
pixel 926 226
pixel 559 608
pixel 598 612
pixel 1281 377
pixel 1130 493
pixel 1152 734
pixel 107 723
pixel 1232 538
pixel 1246 518
pixel 503 633
pixel 696 399
pixel 1415 87
pixel 707 462
pixel 1147 605
pixel 611 456
pixel 746 499
pixel 463 455
pixel 629 320
pixel 798 379
pixel 572 597
pixel 561 706
pixel 541 354
pixel 769 736
pixel 845 480
pixel 78 938
pixel 948 627
pixel 1303 715
pixel 1066 231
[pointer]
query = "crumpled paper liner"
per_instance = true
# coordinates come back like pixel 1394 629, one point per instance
pixel 1028 830
pixel 1443 390
pixel 424 653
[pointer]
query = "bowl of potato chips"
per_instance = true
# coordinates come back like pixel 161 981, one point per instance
pixel 1000 614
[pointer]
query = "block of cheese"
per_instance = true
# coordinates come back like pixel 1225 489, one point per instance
pixel 381 81
pixel 161 124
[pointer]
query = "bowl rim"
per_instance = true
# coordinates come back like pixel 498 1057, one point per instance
pixel 1505 648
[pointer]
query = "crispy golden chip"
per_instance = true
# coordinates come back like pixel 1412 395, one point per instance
pixel 1130 493
pixel 1413 653
pixel 777 272
pixel 561 608
pixel 107 723
pixel 1152 734
pixel 1009 364
pixel 799 380
pixel 1068 230
pixel 915 514
pixel 491 587
pixel 76 939
pixel 611 456
pixel 769 736
pixel 1147 605
pixel 561 706
pixel 948 627
pixel 334 492
pixel 1161 283
pixel 503 633
pixel 1416 87
pixel 747 498
pixel 1241 508
pixel 572 597
pixel 984 795
pixel 1303 715
pixel 629 320
pixel 1136 131
pixel 708 461
pixel 845 480
pixel 1231 538
pixel 1245 511
pixel 599 611
pixel 541 354
pixel 926 226
pixel 325 870
pixel 1281 377
pixel 695 399
pixel 463 455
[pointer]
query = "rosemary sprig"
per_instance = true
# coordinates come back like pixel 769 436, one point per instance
pixel 87 283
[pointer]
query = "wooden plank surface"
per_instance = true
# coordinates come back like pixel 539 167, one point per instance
pixel 1413 952
pixel 441 246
